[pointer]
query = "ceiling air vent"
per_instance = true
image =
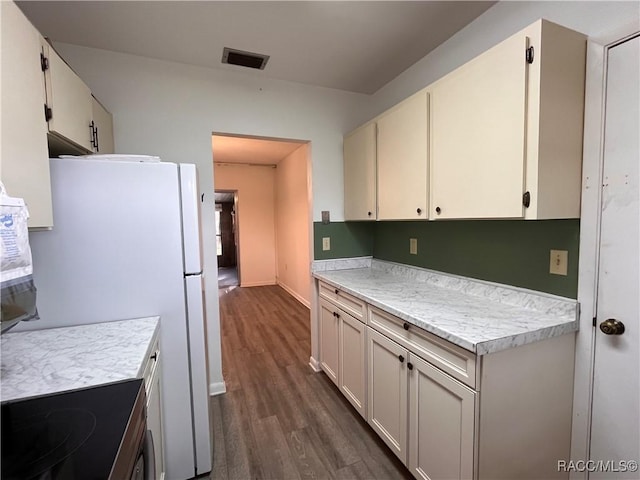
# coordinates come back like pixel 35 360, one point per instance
pixel 244 59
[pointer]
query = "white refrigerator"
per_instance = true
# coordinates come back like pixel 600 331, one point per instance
pixel 126 244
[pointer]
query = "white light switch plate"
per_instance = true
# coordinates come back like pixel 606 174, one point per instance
pixel 413 246
pixel 326 243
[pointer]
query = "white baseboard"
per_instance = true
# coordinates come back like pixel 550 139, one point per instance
pixel 258 284
pixel 314 364
pixel 217 388
pixel 295 295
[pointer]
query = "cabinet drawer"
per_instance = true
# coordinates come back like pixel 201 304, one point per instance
pixel 454 360
pixel 350 304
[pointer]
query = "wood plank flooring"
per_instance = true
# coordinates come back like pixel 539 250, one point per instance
pixel 279 419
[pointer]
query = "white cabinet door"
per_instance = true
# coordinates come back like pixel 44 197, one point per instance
pixel 103 125
pixel 360 174
pixel 353 361
pixel 69 100
pixel 477 137
pixel 154 417
pixel 441 424
pixel 402 160
pixel 24 159
pixel 387 407
pixel 329 337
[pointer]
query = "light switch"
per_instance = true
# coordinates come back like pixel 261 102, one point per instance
pixel 326 243
pixel 558 260
pixel 413 246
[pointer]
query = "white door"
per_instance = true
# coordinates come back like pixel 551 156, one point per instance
pixel 615 429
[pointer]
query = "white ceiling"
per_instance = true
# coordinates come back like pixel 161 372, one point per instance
pixel 356 46
pixel 233 149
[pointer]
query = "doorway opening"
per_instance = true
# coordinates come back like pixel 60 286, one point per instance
pixel 227 239
pixel 270 181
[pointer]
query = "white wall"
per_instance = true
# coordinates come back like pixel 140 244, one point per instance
pixel 170 109
pixel 292 225
pixel 495 25
pixel 255 214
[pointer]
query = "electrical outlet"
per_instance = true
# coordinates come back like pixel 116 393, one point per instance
pixel 326 243
pixel 413 246
pixel 558 260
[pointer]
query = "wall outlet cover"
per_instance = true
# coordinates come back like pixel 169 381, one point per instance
pixel 326 243
pixel 558 260
pixel 326 217
pixel 413 246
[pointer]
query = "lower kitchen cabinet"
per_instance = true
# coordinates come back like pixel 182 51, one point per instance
pixel 343 353
pixel 441 423
pixel 446 412
pixel 387 410
pixel 329 340
pixel 152 375
pixel 352 361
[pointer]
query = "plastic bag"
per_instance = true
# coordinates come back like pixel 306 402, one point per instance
pixel 17 290
pixel 15 253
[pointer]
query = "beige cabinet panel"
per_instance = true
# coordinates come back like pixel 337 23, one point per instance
pixel 441 424
pixel 359 151
pixel 329 337
pixel 353 361
pixel 402 160
pixel 478 115
pixel 24 159
pixel 103 125
pixel 69 100
pixel 503 128
pixel 387 407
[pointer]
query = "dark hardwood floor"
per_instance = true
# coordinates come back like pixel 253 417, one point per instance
pixel 279 419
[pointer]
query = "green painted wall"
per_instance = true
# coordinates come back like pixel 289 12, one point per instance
pixel 513 252
pixel 348 239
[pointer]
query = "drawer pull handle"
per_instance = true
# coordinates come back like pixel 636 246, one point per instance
pixel 410 365
pixel 405 326
pixel 337 315
pixel 154 356
pixel 336 291
pixel 401 358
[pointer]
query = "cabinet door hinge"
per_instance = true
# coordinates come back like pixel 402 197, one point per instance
pixel 526 199
pixel 594 321
pixel 48 113
pixel 529 54
pixel 44 62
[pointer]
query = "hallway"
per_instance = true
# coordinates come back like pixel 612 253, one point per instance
pixel 278 419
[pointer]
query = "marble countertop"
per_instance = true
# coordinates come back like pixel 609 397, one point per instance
pixel 481 317
pixel 41 362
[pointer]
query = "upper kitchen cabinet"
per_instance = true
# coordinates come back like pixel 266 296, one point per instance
pixel 506 129
pixel 402 160
pixel 24 160
pixel 69 106
pixel 101 128
pixel 360 173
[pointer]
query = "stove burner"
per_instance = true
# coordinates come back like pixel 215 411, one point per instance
pixel 40 443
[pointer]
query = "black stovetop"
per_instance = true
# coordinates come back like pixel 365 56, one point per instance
pixel 71 435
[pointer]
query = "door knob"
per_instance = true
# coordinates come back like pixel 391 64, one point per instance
pixel 611 326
